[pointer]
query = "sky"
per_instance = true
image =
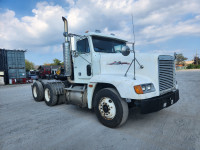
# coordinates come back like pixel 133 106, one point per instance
pixel 165 26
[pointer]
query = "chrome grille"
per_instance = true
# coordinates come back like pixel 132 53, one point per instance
pixel 166 70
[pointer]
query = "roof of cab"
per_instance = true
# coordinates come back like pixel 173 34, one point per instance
pixel 104 35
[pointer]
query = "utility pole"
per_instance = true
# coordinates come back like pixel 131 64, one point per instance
pixel 197 58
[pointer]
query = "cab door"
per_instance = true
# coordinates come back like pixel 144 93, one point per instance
pixel 82 61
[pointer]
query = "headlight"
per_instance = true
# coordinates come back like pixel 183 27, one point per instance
pixel 144 88
pixel 148 87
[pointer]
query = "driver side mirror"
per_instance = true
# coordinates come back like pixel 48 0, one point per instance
pixel 125 50
pixel 75 53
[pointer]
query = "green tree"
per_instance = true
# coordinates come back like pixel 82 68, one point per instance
pixel 180 59
pixel 56 62
pixel 193 66
pixel 47 64
pixel 29 65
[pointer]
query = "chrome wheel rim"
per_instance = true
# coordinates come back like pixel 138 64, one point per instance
pixel 47 95
pixel 107 108
pixel 35 91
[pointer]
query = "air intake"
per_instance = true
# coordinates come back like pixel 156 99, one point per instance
pixel 66 50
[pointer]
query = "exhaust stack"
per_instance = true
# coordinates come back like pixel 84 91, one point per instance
pixel 65 27
pixel 66 50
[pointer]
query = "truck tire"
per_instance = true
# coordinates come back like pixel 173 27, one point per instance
pixel 50 96
pixel 111 110
pixel 38 91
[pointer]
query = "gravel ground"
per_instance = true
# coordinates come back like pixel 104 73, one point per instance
pixel 26 124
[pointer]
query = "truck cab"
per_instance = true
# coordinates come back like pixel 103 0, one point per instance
pixel 105 75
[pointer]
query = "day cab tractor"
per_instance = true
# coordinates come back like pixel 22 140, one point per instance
pixel 103 74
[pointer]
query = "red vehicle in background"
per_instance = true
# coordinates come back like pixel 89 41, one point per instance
pixel 44 72
pixel 47 72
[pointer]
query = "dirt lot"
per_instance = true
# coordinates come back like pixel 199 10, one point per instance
pixel 26 124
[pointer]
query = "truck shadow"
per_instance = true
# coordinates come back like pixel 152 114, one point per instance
pixel 135 118
pixel 134 114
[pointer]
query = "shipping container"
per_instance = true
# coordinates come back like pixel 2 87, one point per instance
pixel 2 78
pixel 12 62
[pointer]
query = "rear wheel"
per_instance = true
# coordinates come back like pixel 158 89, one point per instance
pixel 50 96
pixel 38 91
pixel 111 110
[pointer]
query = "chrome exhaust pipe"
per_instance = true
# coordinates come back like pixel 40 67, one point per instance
pixel 65 25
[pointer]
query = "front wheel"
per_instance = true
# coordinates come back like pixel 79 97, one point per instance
pixel 111 110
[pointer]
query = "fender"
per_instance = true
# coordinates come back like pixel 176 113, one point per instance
pixel 124 85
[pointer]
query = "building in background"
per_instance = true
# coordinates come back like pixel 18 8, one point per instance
pixel 12 66
pixel 184 65
pixel 189 62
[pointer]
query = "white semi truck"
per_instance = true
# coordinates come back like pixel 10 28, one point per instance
pixel 103 74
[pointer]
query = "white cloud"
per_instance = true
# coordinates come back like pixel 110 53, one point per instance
pixel 42 29
pixel 155 33
pixel 71 2
pixel 167 51
pixel 155 21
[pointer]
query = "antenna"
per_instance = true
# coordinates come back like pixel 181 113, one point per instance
pixel 133 51
pixel 133 45
pixel 141 66
pixel 197 58
pixel 133 29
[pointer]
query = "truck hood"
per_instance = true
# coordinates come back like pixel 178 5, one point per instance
pixel 114 66
pixel 117 64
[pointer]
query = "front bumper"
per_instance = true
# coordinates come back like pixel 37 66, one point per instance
pixel 157 103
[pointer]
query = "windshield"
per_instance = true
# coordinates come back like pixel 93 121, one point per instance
pixel 107 45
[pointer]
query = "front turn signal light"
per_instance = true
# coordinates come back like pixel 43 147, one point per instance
pixel 138 89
